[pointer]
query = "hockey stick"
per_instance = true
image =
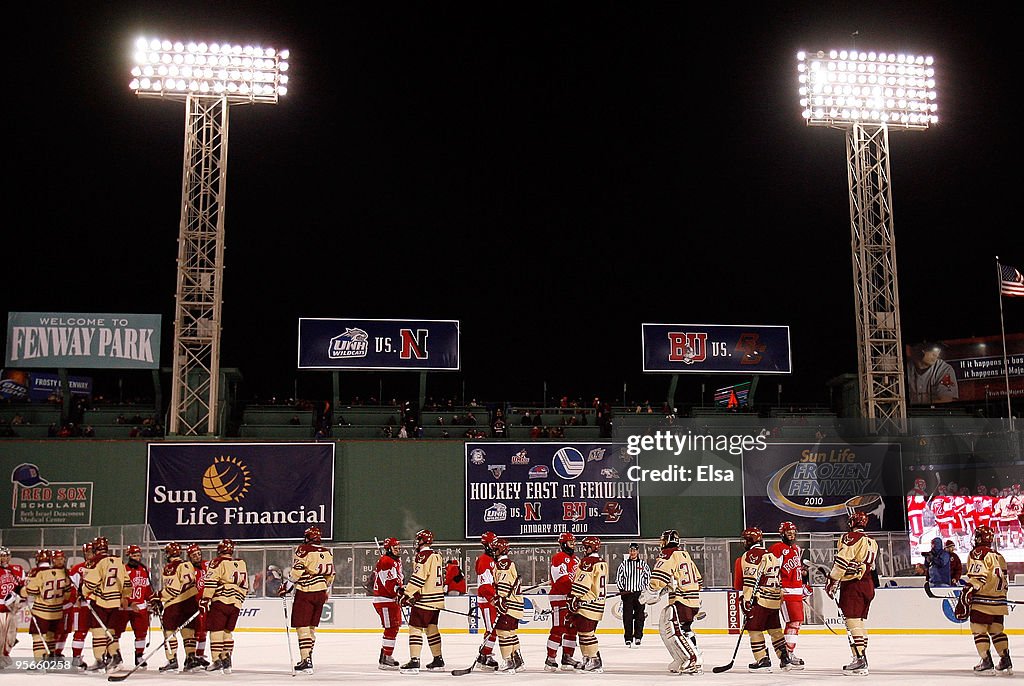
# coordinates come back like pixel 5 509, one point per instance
pixel 145 658
pixel 287 633
pixel 955 593
pixel 39 632
pixel 479 652
pixel 739 639
pixel 820 616
pixel 839 610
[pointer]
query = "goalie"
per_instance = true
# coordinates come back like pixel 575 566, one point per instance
pixel 675 573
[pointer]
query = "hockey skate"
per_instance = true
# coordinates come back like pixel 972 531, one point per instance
pixel 139 661
pixel 171 666
pixel 101 664
pixel 985 666
pixel 569 663
pixel 411 667
pixel 1005 666
pixel 114 662
pixel 693 667
pixel 762 666
pixel 217 666
pixel 386 661
pixel 859 667
pixel 305 665
pixel 202 662
pixel 225 665
pixel 436 665
pixel 77 664
pixel 591 664
pixel 550 664
pixel 514 663
pixel 191 663
pixel 487 662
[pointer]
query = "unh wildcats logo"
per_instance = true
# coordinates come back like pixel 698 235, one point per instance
pixel 352 343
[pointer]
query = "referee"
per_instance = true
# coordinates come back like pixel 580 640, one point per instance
pixel 631 578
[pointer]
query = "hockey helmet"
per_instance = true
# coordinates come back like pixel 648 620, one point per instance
pixel 43 557
pixel 983 536
pixel 567 542
pixel 487 539
pixel 172 550
pixel 752 536
pixel 226 547
pixel 58 558
pixel 390 543
pixel 858 520
pixel 133 550
pixel 87 550
pixel 669 538
pixel 313 534
pixel 100 545
pixel 787 528
pixel 424 537
pixel 501 546
pixel 194 552
pixel 591 544
pixel 5 552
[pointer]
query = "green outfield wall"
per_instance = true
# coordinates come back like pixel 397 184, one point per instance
pixel 382 488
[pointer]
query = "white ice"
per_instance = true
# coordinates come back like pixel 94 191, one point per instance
pixel 351 658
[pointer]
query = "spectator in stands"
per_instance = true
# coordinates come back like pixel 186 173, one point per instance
pixel 470 419
pixel 403 432
pixel 538 418
pixel 18 420
pixel 956 567
pixel 387 431
pixel 526 420
pixel 937 562
pixel 498 428
pixel 88 431
pixel 536 432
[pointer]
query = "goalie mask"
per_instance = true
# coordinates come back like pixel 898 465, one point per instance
pixel 670 538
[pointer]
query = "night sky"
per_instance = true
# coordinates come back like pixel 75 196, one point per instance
pixel 550 174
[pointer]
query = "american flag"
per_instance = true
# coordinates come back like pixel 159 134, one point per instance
pixel 1011 282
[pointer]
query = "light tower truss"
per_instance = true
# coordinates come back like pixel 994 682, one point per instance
pixel 209 79
pixel 867 94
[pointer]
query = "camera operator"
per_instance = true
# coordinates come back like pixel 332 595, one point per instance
pixel 936 561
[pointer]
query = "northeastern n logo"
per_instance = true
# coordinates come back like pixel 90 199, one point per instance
pixel 226 480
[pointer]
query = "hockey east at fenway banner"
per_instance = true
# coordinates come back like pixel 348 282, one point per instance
pixel 818 485
pixel 542 489
pixel 242 491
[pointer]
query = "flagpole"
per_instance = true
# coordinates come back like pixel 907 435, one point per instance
pixel 1002 328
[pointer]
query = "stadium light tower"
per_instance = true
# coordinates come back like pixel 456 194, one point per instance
pixel 209 79
pixel 867 94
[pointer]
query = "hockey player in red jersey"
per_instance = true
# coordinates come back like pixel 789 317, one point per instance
pixel 195 556
pixel 78 616
pixel 12 578
pixel 138 607
pixel 917 501
pixel 485 599
pixel 563 568
pixel 386 589
pixel 793 578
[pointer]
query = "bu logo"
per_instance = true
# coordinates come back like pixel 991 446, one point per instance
pixel 687 347
pixel 414 345
pixel 531 510
pixel 574 511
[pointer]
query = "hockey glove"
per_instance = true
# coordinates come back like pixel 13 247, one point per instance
pixel 501 604
pixel 285 589
pixel 831 587
pixel 572 604
pixel 204 605
pixel 962 609
pixel 747 606
pixel 156 606
pixel 649 596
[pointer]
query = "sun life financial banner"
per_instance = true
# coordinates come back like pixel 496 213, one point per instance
pixel 818 485
pixel 82 341
pixel 242 491
pixel 379 344
pixel 543 489
pixel 716 348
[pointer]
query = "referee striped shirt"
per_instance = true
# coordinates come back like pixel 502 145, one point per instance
pixel 632 575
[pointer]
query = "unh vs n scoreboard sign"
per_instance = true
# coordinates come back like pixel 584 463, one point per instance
pixel 716 349
pixel 544 489
pixel 379 344
pixel 242 491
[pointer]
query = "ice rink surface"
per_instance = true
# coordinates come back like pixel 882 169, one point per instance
pixel 351 658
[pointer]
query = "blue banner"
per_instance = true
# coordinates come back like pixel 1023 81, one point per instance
pixel 379 344
pixel 716 349
pixel 818 485
pixel 242 491
pixel 82 341
pixel 518 490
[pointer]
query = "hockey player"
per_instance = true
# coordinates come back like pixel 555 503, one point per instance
pixel 178 607
pixel 311 575
pixel 425 595
pixel 851 577
pixel 195 556
pixel 586 603
pixel 106 589
pixel 60 633
pixel 793 579
pixel 982 506
pixel 12 578
pixel 484 600
pixel 46 588
pixel 917 501
pixel 762 598
pixel 386 589
pixel 508 601
pixel 227 584
pixel 138 608
pixel 983 601
pixel 675 572
pixel 563 568
pixel 78 617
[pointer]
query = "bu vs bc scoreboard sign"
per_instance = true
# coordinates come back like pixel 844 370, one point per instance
pixel 716 348
pixel 379 344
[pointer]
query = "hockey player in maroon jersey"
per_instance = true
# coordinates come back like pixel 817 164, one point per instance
pixel 762 598
pixel 586 602
pixel 424 594
pixel 563 568
pixel 386 589
pixel 12 578
pixel 311 575
pixel 851 577
pixel 983 601
pixel 77 618
pixel 138 608
pixel 195 556
pixel 47 587
pixel 793 579
pixel 485 599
